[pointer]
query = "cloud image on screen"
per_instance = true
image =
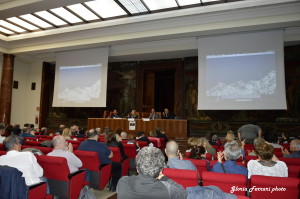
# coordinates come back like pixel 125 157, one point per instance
pixel 79 83
pixel 241 77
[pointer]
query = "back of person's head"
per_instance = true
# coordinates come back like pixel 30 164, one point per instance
pixel 16 131
pixel 232 150
pixel 193 142
pixel 265 151
pixel 98 130
pixel 295 145
pixel 67 132
pixel 123 135
pixel 150 161
pixel 158 130
pixel 10 141
pixel 31 126
pixel 230 136
pixel 26 125
pixel 197 152
pixel 172 148
pixel 204 142
pixel 152 134
pixel 2 127
pixel 214 138
pixel 258 140
pixel 118 131
pixel 92 133
pixel 9 130
pixel 111 137
pixel 140 133
pixel 56 140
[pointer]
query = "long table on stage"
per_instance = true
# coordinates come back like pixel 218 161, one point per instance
pixel 173 128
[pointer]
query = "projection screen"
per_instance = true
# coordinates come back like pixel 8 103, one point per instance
pixel 81 78
pixel 241 72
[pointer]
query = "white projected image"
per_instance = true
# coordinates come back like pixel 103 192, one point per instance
pixel 72 88
pixel 241 77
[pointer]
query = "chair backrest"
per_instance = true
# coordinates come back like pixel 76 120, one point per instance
pixel 186 178
pixel 142 143
pixel 116 154
pixel 3 153
pixel 54 167
pixel 130 150
pixel 106 114
pixel 1 147
pixel 280 187
pixel 225 181
pixel 33 143
pixel 201 165
pixel 291 161
pixel 90 159
pixel 293 171
pixel 154 141
pixel 145 114
pixel 250 157
pixel 187 154
pixel 162 143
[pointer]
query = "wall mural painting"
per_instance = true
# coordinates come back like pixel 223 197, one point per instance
pixel 121 87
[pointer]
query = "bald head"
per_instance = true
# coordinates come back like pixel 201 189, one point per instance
pixel 171 148
pixel 59 142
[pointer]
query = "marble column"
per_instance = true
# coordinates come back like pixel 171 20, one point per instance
pixel 6 88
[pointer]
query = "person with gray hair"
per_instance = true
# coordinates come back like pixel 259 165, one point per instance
pixel 2 131
pixel 64 149
pixel 294 148
pixel 231 153
pixel 25 162
pixel 150 183
pixel 124 135
pixel 175 160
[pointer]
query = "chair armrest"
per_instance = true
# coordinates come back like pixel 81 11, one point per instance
pixel 35 185
pixel 75 173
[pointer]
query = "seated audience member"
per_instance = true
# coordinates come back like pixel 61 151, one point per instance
pixel 67 134
pixel 198 152
pixel 140 136
pixel 133 115
pixel 118 131
pixel 124 135
pixel 231 153
pixel 104 153
pixel 161 134
pixel 229 136
pixel 209 149
pixel 175 160
pixel 9 130
pixel 2 132
pixel 249 132
pixel 98 130
pixel 25 162
pixel 63 149
pixel 257 141
pixel 114 140
pixel 60 130
pixel 26 132
pixel 43 131
pixel 153 114
pixel 16 130
pixel 167 115
pixel 115 114
pixel 153 136
pixel 192 142
pixel 214 140
pixel 294 148
pixel 74 130
pixel 267 163
pixel 272 139
pixel 150 182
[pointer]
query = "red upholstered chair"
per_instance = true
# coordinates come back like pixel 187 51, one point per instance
pixel 38 191
pixel 225 181
pixel 118 158
pixel 45 150
pixel 1 147
pixel 73 142
pixel 187 154
pixel 3 153
pixel 286 187
pixel 142 143
pixel 250 157
pixel 61 182
pixel 154 141
pixel 291 161
pixel 99 175
pixel 162 143
pixel 200 165
pixel 293 171
pixel 186 178
pixel 33 143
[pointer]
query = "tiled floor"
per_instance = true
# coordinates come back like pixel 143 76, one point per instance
pixel 104 194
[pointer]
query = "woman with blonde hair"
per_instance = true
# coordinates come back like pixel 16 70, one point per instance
pixel 230 136
pixel 67 133
pixel 192 142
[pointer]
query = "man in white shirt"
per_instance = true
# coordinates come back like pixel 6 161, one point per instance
pixel 63 149
pixel 2 131
pixel 23 161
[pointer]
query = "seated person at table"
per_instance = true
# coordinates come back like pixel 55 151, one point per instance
pixel 175 160
pixel 267 163
pixel 150 182
pixel 294 148
pixel 231 153
pixel 153 114
pixel 104 153
pixel 140 136
pixel 133 115
pixel 25 162
pixel 115 114
pixel 167 115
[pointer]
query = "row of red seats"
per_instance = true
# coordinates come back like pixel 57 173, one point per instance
pixel 271 187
